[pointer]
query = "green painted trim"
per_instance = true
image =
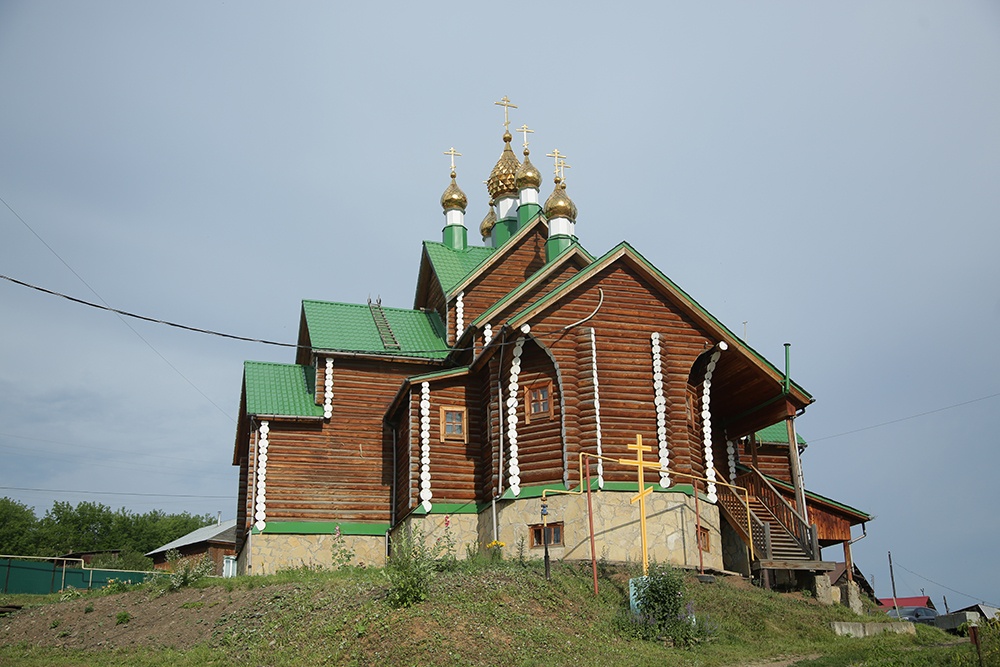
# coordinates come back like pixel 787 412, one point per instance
pixel 526 214
pixel 536 491
pixel 438 375
pixel 455 237
pixel 470 507
pixel 321 528
pixel 557 245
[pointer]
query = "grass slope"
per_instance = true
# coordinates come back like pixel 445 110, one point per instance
pixel 503 615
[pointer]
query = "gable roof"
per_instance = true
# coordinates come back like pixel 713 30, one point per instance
pixel 280 390
pixel 777 434
pixel 624 251
pixel 574 251
pixel 349 327
pixel 451 266
pixel 222 532
pixel 913 601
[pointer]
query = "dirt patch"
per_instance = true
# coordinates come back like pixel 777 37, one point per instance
pixel 176 620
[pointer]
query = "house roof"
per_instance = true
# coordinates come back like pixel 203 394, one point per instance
pixel 451 266
pixel 222 532
pixel 349 327
pixel 817 498
pixel 984 610
pixel 914 601
pixel 280 390
pixel 777 434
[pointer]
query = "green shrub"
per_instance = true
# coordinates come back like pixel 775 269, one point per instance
pixel 412 563
pixel 186 571
pixel 122 618
pixel 663 612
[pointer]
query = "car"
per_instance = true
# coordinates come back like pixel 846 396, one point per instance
pixel 924 615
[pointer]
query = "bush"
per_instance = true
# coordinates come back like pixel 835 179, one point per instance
pixel 412 563
pixel 663 612
pixel 182 572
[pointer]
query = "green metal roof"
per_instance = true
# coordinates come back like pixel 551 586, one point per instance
pixel 777 434
pixel 349 327
pixel 285 390
pixel 451 266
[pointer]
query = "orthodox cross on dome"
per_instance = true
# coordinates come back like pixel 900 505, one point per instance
pixel 453 153
pixel 507 105
pixel 560 163
pixel 525 131
pixel 643 492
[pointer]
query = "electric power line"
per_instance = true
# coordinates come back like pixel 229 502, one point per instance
pixel 114 493
pixel 971 597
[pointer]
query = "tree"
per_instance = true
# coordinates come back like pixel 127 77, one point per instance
pixel 18 523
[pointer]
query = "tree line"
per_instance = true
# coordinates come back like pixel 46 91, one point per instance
pixel 90 527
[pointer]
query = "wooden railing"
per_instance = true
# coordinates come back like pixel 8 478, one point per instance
pixel 741 518
pixel 784 513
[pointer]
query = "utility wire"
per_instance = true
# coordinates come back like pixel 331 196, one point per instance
pixel 113 493
pixel 124 321
pixel 971 597
pixel 903 419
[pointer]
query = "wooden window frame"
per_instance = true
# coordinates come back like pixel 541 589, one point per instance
pixel 553 527
pixel 445 436
pixel 704 539
pixel 541 414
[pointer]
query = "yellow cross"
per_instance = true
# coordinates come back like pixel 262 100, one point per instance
pixel 507 105
pixel 643 492
pixel 559 158
pixel 525 131
pixel 453 153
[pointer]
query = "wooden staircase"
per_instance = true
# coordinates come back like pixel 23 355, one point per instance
pixel 780 539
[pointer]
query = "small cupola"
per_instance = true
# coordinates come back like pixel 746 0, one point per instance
pixel 454 203
pixel 560 211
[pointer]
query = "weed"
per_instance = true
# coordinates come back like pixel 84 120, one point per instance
pixel 89 608
pixel 193 605
pixel 342 554
pixel 55 623
pixel 412 563
pixel 122 617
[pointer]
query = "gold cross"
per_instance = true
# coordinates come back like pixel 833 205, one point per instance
pixel 453 153
pixel 643 492
pixel 558 157
pixel 525 131
pixel 507 105
pixel 562 169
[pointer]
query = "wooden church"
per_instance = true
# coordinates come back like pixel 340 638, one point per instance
pixel 522 377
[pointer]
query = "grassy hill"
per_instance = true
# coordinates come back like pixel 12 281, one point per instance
pixel 503 614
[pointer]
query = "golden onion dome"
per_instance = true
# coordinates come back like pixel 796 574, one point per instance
pixel 453 197
pixel 559 205
pixel 527 176
pixel 486 227
pixel 502 180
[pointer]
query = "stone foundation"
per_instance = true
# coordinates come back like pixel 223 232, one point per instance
pixel 269 553
pixel 671 529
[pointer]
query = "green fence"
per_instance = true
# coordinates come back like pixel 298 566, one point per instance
pixel 41 576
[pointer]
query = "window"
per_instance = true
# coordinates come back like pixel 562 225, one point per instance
pixel 555 535
pixel 453 425
pixel 538 401
pixel 704 540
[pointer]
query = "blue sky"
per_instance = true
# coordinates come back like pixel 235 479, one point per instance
pixel 825 172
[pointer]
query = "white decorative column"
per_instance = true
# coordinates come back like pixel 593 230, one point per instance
pixel 660 402
pixel 487 334
pixel 260 502
pixel 513 390
pixel 706 421
pixel 328 389
pixel 597 406
pixel 425 446
pixel 459 315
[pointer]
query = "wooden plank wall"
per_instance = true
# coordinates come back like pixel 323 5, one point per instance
pixel 624 361
pixel 539 442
